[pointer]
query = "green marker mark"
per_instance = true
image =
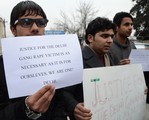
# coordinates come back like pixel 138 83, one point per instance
pixel 95 80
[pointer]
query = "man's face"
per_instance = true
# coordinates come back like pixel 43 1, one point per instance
pixel 102 41
pixel 126 27
pixel 34 30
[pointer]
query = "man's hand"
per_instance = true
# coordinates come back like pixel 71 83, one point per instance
pixel 124 61
pixel 81 113
pixel 40 101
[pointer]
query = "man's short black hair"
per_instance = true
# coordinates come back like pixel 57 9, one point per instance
pixel 119 16
pixel 98 24
pixel 25 6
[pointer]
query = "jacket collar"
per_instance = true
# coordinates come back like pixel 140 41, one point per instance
pixel 90 58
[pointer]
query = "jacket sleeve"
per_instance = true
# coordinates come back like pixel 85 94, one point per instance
pixel 13 110
pixel 72 96
pixel 10 109
pixel 57 106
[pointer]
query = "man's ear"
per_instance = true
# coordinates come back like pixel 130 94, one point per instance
pixel 90 38
pixel 13 30
pixel 116 29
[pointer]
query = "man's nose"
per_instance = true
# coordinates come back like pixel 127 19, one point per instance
pixel 130 26
pixel 34 28
pixel 110 39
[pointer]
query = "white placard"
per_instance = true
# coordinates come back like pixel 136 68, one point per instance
pixel 140 56
pixel 32 62
pixel 115 93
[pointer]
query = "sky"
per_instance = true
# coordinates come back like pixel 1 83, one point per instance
pixel 52 8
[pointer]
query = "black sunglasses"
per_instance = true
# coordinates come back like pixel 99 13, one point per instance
pixel 28 22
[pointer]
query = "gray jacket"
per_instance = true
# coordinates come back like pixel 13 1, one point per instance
pixel 119 52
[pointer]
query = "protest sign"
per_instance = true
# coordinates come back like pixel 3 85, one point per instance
pixel 32 62
pixel 115 93
pixel 140 56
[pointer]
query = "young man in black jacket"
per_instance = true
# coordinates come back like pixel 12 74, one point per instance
pixel 99 34
pixel 28 19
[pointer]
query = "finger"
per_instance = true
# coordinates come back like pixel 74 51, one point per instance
pixel 43 90
pixel 83 114
pixel 82 108
pixel 43 103
pixel 44 107
pixel 47 97
pixel 82 111
pixel 124 62
pixel 35 101
pixel 79 117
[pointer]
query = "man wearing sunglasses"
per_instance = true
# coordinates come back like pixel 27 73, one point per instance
pixel 28 19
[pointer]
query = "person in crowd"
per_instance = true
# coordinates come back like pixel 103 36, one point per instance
pixel 99 38
pixel 121 48
pixel 28 19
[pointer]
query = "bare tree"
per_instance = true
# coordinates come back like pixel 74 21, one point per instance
pixel 66 24
pixel 78 22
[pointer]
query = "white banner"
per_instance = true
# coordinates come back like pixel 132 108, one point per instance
pixel 115 93
pixel 32 62
pixel 140 56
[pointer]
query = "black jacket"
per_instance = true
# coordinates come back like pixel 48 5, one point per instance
pixel 14 109
pixel 74 94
